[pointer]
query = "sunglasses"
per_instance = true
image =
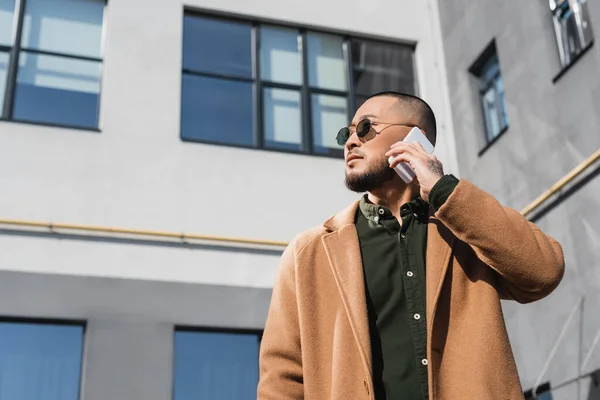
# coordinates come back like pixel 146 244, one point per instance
pixel 362 129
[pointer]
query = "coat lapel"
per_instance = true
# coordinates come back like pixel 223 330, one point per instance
pixel 343 252
pixel 439 249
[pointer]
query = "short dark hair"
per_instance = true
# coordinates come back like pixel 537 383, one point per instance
pixel 418 105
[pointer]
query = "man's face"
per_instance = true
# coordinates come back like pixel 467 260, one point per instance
pixel 367 167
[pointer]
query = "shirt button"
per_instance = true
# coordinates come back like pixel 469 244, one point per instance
pixel 424 361
pixel 402 235
pixel 381 211
pixel 376 219
pixel 415 215
pixel 417 316
pixel 409 274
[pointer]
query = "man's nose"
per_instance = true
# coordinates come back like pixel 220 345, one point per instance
pixel 353 141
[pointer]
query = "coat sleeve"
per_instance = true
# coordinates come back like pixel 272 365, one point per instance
pixel 280 358
pixel 529 263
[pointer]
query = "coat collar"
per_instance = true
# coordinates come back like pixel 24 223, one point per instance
pixel 343 218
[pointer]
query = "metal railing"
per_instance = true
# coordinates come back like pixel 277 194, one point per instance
pixel 180 236
pixel 582 362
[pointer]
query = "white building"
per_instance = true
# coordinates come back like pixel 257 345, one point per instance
pixel 107 115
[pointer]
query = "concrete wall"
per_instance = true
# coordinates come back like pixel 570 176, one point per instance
pixel 137 173
pixel 552 128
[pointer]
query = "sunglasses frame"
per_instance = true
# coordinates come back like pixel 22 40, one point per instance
pixel 360 130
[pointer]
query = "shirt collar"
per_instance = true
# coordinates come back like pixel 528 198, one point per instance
pixel 418 207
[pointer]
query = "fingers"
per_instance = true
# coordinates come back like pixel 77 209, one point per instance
pixel 410 148
pixel 405 157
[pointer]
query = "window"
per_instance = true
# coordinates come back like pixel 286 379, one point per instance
pixel 491 92
pixel 573 28
pixel 50 74
pixel 280 88
pixel 40 360
pixel 215 365
pixel 543 392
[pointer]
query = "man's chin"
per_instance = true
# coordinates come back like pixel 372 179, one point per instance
pixel 368 181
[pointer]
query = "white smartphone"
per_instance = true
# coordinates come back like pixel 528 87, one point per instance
pixel 403 169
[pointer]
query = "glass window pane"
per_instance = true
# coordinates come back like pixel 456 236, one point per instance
pixel 490 70
pixel 64 26
pixel 502 103
pixel 7 8
pixel 210 365
pixel 379 67
pixel 207 113
pixel 57 90
pixel 282 119
pixel 326 66
pixel 217 46
pixel 3 68
pixel 40 361
pixel 491 112
pixel 329 114
pixel 280 55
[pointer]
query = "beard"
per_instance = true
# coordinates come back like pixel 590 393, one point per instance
pixel 375 177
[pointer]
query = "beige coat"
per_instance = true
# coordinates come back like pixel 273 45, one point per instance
pixel 316 339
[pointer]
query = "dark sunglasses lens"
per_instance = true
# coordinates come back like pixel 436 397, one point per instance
pixel 342 136
pixel 363 128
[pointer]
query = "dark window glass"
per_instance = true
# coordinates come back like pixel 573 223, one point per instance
pixel 380 67
pixel 211 365
pixel 217 46
pixel 543 392
pixel 57 90
pixel 294 86
pixel 39 361
pixel 217 110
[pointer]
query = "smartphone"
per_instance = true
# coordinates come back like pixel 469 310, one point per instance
pixel 403 169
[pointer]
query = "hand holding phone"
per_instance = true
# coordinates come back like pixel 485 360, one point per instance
pixel 403 169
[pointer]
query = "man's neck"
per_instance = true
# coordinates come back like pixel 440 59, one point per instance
pixel 393 196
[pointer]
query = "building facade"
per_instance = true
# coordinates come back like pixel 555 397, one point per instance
pixel 139 124
pixel 525 95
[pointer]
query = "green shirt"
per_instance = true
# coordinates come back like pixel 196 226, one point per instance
pixel 393 259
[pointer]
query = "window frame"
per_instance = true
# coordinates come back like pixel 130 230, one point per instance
pixel 211 329
pixel 14 54
pixel 477 70
pixel 544 388
pixel 305 89
pixel 42 321
pixel 581 17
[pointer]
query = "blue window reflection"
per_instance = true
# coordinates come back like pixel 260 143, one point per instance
pixel 211 365
pixel 40 361
pixel 217 110
pixel 57 90
pixel 493 98
pixel 216 46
